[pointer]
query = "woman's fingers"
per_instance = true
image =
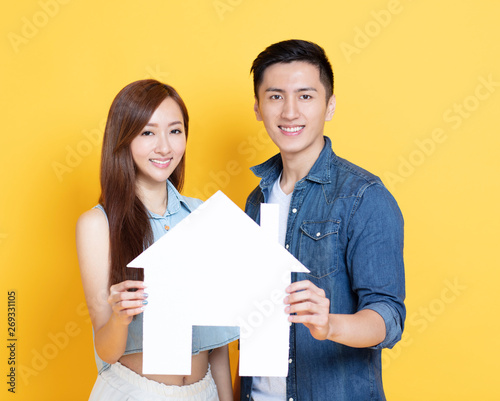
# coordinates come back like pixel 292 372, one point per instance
pixel 125 302
pixel 128 285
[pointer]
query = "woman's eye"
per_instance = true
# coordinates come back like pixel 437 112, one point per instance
pixel 176 131
pixel 147 133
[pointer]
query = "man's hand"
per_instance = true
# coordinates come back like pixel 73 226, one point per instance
pixel 311 306
pixel 365 328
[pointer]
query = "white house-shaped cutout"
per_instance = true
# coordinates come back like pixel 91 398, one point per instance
pixel 217 267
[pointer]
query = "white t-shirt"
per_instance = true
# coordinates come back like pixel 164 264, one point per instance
pixel 274 388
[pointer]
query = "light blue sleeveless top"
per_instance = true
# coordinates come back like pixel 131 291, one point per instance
pixel 204 337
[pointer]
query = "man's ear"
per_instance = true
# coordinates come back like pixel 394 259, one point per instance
pixel 330 108
pixel 256 109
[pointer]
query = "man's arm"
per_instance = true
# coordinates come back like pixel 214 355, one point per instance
pixel 374 257
pixel 365 328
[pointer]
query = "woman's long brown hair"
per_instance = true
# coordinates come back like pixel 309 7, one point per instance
pixel 129 228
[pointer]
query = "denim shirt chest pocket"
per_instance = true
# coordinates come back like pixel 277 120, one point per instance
pixel 318 246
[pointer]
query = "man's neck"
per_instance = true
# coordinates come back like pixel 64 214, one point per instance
pixel 296 167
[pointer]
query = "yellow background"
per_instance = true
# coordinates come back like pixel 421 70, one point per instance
pixel 418 97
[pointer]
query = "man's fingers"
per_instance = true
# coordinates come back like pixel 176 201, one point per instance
pixel 302 307
pixel 304 296
pixel 304 285
pixel 318 321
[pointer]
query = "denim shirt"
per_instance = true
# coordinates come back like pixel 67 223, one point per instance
pixel 204 337
pixel 347 229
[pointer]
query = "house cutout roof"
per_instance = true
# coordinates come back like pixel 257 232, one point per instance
pixel 217 267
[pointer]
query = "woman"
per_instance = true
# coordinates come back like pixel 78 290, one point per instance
pixel 142 172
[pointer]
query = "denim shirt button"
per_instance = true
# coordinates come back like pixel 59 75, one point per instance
pixel 287 246
pixel 294 210
pixel 290 360
pixel 290 399
pixel 318 234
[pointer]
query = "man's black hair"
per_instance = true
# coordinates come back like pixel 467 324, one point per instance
pixel 289 51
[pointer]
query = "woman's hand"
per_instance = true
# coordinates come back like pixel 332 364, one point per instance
pixel 127 299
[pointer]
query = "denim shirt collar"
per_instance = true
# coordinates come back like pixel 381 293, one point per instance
pixel 175 201
pixel 270 170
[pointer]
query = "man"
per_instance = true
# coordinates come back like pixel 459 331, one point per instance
pixel 341 223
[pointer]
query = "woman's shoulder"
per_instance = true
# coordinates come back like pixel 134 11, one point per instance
pixel 92 239
pixel 93 220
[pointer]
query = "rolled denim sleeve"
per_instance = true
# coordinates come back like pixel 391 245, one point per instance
pixel 375 258
pixel 393 327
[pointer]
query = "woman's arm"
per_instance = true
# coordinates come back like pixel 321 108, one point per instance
pixel 111 309
pixel 219 362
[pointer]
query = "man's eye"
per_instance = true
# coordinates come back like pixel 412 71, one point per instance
pixel 275 97
pixel 306 97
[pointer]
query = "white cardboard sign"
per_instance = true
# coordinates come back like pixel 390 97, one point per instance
pixel 217 267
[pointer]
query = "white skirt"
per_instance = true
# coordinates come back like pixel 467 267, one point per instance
pixel 119 383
